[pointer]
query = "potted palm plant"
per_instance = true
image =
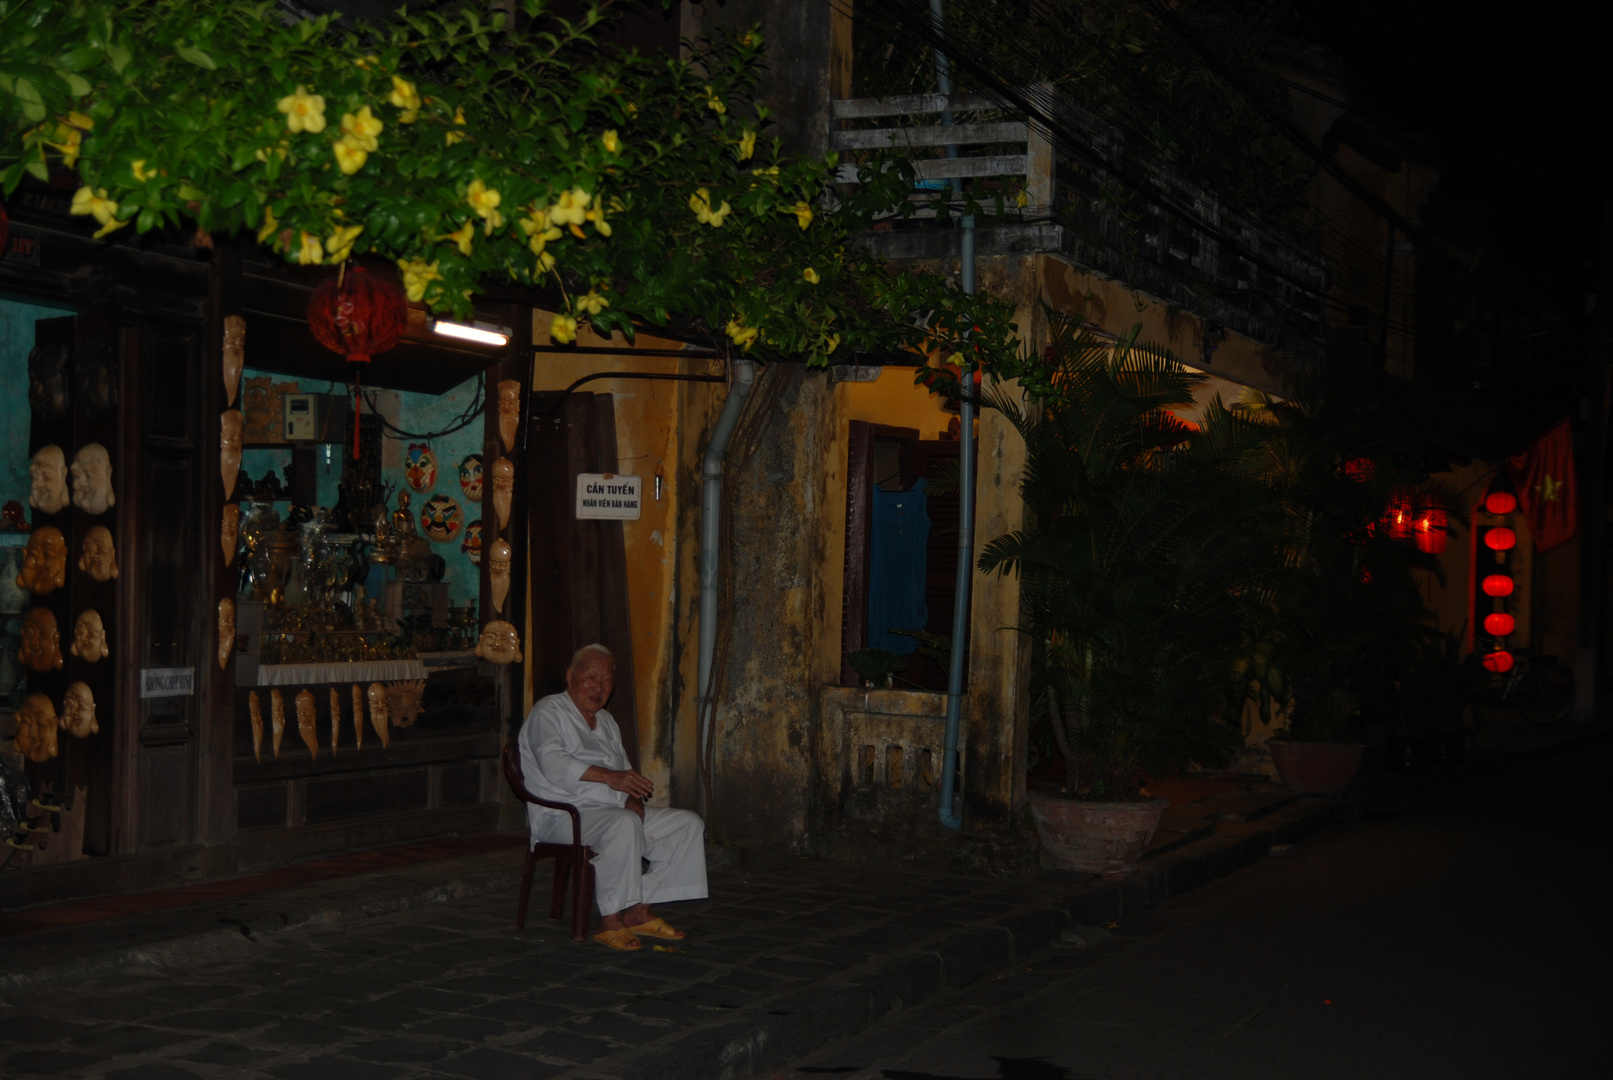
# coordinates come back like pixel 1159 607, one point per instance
pixel 1144 550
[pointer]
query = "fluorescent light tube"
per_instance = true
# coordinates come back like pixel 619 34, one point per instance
pixel 480 333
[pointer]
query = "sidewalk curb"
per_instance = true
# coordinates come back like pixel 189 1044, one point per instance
pixel 169 938
pixel 789 1026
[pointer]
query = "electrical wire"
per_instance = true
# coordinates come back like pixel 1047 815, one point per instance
pixel 471 414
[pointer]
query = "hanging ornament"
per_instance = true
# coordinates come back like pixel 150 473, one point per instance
pixel 1499 661
pixel 1497 585
pixel 359 315
pixel 1500 538
pixel 1500 502
pixel 1430 530
pixel 1499 624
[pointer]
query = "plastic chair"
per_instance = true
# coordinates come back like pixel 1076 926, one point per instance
pixel 573 862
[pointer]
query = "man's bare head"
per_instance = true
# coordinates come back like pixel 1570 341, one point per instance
pixel 591 678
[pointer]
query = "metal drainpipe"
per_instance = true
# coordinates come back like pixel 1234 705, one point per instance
pixel 966 486
pixel 710 530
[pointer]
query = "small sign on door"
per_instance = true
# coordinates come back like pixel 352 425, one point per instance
pixel 167 682
pixel 608 495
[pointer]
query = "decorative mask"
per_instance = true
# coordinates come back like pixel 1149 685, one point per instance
pixel 95 378
pixel 229 531
pixel 48 471
pixel 230 425
pixel 41 647
pixel 498 569
pixel 441 519
pixel 234 355
pixel 377 696
pixel 500 644
pixel 503 489
pixel 226 632
pixel 254 712
pixel 78 711
pixel 470 477
pixel 307 726
pixel 335 720
pixel 47 381
pixel 277 718
pixel 44 561
pixel 100 558
pixel 92 479
pixel 509 412
pixel 89 637
pixel 472 544
pixel 358 716
pixel 419 466
pixel 36 728
pixel 403 700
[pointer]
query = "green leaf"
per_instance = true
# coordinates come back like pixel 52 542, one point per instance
pixel 37 168
pixel 77 85
pixel 81 59
pixel 33 107
pixel 196 56
pixel 118 56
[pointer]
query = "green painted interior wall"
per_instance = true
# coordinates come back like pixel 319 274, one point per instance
pixel 16 340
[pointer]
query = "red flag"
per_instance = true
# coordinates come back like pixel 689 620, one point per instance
pixel 1548 492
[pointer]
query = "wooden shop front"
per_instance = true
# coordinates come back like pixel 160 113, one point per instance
pixel 240 595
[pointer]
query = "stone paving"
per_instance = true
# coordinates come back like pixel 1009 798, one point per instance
pixel 453 990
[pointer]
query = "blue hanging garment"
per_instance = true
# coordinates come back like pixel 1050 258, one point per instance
pixel 896 570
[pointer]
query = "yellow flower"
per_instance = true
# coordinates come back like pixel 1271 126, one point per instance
pixel 1022 198
pixel 563 330
pixel 310 250
pixel 714 103
pixel 339 245
pixel 803 214
pixel 751 39
pixel 365 62
pixel 270 225
pixel 79 120
pixel 632 109
pixel 455 136
pixel 571 208
pixel 350 156
pixel 593 303
pixel 279 151
pixel 700 203
pixel 742 335
pixel 304 112
pixel 747 145
pixel 406 97
pixel 361 128
pixel 611 142
pixel 597 216
pixel 545 263
pixel 67 142
pixel 462 236
pixel 141 173
pixel 536 226
pixel 104 210
pixel 484 200
pixel 811 275
pixel 417 274
pixel 831 343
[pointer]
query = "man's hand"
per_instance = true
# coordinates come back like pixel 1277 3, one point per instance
pixel 633 782
pixel 635 804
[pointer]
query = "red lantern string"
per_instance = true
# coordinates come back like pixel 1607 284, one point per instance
pixel 1497 585
pixel 1499 661
pixel 1499 624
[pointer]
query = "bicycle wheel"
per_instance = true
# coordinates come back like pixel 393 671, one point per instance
pixel 1545 694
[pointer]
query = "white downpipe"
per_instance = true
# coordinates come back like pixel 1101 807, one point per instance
pixel 710 533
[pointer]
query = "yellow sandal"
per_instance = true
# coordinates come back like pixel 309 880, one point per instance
pixel 658 928
pixel 620 940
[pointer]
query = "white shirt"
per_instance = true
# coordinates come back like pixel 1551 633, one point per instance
pixel 557 747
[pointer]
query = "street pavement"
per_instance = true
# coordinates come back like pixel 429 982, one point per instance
pixel 1465 935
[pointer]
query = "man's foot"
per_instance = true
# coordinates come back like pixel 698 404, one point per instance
pixel 658 928
pixel 621 940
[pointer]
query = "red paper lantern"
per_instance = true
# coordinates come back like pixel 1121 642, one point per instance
pixel 1497 585
pixel 1499 624
pixel 1430 531
pixel 363 316
pixel 1400 518
pixel 359 318
pixel 1499 661
pixel 1500 502
pixel 1500 538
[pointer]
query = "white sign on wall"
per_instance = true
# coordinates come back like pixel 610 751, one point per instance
pixel 167 682
pixel 608 495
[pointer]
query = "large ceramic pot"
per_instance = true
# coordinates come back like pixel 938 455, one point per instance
pixel 1316 767
pixel 1095 837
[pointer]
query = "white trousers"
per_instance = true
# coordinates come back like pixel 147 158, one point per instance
pixel 674 842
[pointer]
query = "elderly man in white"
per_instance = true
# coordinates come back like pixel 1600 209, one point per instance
pixel 571 752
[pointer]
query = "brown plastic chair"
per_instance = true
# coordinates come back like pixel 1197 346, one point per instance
pixel 572 862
